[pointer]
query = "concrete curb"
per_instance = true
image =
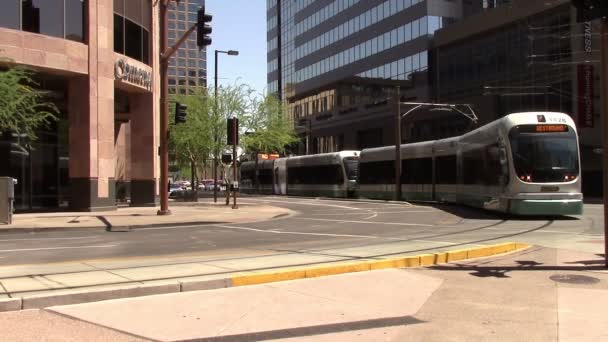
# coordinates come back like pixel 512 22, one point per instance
pixel 404 262
pixel 253 278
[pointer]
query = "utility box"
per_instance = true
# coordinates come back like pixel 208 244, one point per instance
pixel 7 196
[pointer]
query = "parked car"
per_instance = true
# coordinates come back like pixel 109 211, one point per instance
pixel 176 190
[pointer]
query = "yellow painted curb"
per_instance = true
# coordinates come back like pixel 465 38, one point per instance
pixel 403 262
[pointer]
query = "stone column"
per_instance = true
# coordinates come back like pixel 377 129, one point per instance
pixel 143 150
pixel 91 102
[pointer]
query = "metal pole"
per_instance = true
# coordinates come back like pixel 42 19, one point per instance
pixel 235 130
pixel 605 132
pixel 164 115
pixel 397 144
pixel 215 152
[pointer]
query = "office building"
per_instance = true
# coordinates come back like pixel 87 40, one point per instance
pixel 335 63
pixel 188 67
pixel 527 56
pixel 99 62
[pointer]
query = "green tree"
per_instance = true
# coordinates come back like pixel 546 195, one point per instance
pixel 191 142
pixel 232 100
pixel 267 128
pixel 23 108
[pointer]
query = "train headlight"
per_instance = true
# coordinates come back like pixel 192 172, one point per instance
pixel 526 178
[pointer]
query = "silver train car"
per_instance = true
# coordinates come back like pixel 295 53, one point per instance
pixel 318 175
pixel 522 164
pixel 264 184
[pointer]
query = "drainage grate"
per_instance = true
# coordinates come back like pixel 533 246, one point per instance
pixel 574 279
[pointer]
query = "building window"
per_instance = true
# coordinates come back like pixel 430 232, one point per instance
pixel 9 16
pixel 57 18
pixel 133 38
pixel 119 34
pixel 44 17
pixel 74 20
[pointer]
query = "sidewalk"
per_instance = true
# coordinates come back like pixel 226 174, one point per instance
pixel 539 294
pixel 183 213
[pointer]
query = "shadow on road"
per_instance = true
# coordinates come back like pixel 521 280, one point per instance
pixel 472 213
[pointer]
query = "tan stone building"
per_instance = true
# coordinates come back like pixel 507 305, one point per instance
pixel 99 61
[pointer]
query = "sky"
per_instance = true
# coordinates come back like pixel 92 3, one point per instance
pixel 238 25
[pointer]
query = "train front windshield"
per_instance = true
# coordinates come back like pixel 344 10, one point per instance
pixel 351 165
pixel 544 153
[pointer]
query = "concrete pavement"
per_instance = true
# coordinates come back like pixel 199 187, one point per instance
pixel 183 213
pixel 539 294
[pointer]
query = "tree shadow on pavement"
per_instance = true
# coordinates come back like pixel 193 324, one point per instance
pixel 498 271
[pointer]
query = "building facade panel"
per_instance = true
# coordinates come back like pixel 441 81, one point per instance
pixel 97 60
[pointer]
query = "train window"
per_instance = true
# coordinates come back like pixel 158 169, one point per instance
pixel 265 176
pixel 446 170
pixel 539 156
pixel 324 174
pixel 382 172
pixel 351 165
pixel 417 171
pixel 482 166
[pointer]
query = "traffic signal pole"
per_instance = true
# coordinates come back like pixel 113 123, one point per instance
pixel 604 78
pixel 165 55
pixel 164 113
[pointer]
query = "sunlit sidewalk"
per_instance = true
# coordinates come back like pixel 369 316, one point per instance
pixel 538 294
pixel 202 212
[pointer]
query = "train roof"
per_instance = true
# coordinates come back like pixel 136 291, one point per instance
pixel 515 119
pixel 322 158
pixel 262 165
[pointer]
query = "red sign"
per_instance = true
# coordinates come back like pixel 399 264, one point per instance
pixel 585 95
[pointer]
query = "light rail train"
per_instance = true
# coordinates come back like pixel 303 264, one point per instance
pixel 522 164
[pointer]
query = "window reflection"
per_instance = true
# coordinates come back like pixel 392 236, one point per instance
pixel 43 16
pixel 9 16
pixel 131 28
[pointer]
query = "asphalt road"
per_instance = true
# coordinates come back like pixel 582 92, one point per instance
pixel 346 228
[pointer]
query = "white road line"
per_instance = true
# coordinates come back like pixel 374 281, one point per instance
pixel 308 200
pixel 316 204
pixel 296 233
pixel 366 222
pixel 370 217
pixel 275 231
pixel 46 239
pixel 53 248
pixel 438 242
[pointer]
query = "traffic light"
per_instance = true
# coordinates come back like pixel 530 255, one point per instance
pixel 233 124
pixel 203 29
pixel 180 113
pixel 226 158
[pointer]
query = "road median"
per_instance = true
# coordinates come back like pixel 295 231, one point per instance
pixel 253 278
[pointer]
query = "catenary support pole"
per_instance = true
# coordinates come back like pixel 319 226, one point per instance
pixel 397 109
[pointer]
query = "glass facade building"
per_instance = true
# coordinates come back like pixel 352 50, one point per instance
pixel 522 55
pixel 188 67
pixel 331 57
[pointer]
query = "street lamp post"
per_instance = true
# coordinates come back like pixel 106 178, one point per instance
pixel 215 111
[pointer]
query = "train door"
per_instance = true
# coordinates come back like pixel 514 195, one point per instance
pixel 280 176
